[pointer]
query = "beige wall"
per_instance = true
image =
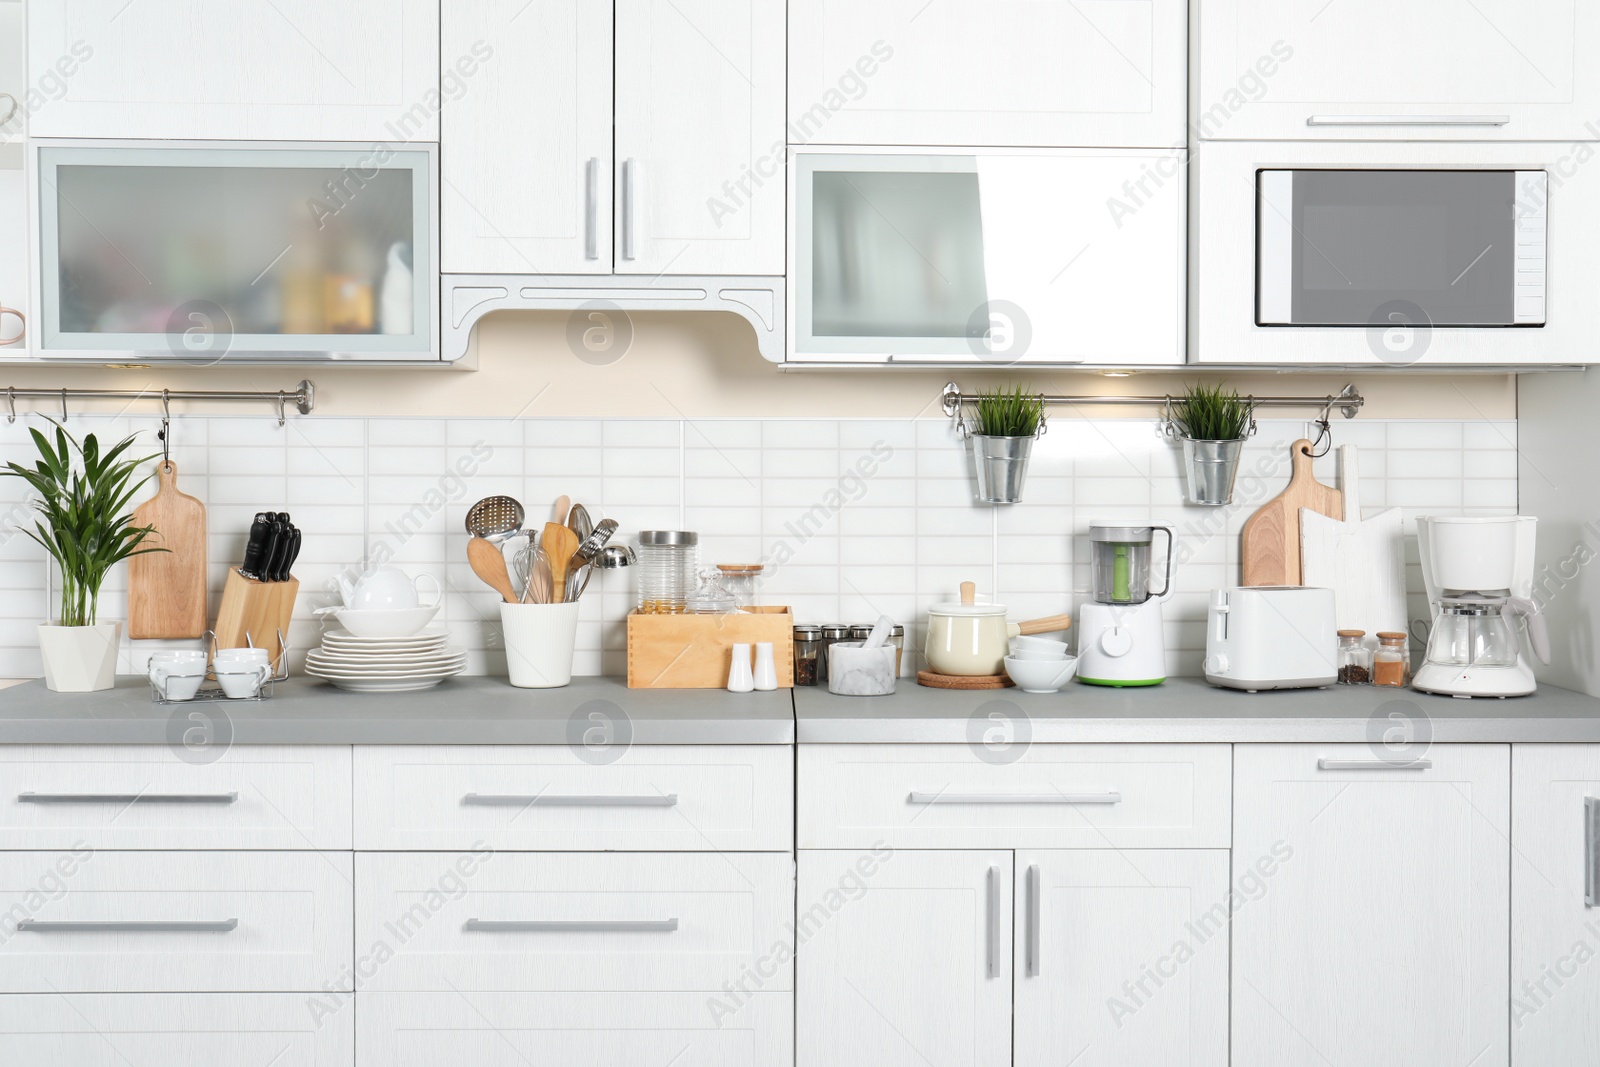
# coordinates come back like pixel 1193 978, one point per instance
pixel 706 364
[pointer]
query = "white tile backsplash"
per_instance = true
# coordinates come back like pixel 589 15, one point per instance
pixel 868 516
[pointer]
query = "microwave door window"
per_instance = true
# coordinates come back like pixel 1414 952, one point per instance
pixel 1359 241
pixel 896 254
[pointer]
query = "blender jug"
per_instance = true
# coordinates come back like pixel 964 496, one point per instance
pixel 1121 563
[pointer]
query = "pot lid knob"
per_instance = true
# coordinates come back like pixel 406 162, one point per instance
pixel 969 592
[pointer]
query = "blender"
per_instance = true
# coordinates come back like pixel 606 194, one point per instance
pixel 1120 639
pixel 1479 577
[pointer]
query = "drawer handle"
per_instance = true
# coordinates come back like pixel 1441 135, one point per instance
pixel 571 926
pixel 124 926
pixel 1591 852
pixel 544 800
pixel 1408 120
pixel 992 921
pixel 1373 765
pixel 1033 921
pixel 1016 798
pixel 127 798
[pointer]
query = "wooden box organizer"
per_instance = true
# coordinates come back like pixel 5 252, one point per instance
pixel 258 610
pixel 692 651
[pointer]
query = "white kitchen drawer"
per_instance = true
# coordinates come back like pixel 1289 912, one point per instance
pixel 1051 796
pixel 173 1030
pixel 656 922
pixel 574 1030
pixel 704 798
pixel 144 796
pixel 123 922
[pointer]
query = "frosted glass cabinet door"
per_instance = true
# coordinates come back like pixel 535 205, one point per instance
pixel 700 137
pixel 1371 70
pixel 526 147
pixel 988 72
pixel 285 70
pixel 995 257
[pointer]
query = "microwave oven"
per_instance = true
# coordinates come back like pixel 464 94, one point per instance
pixel 1364 247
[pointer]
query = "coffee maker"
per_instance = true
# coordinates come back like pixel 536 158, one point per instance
pixel 1479 577
pixel 1120 638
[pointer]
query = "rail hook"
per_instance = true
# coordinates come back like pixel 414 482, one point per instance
pixel 63 405
pixel 1324 431
pixel 166 433
pixel 11 403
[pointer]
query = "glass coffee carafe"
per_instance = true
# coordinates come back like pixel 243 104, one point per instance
pixel 1121 563
pixel 1473 632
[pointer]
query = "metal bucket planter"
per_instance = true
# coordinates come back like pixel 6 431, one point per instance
pixel 1209 469
pixel 1002 466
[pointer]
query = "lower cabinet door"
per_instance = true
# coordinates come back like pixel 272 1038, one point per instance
pixel 1122 958
pixel 173 1030
pixel 903 959
pixel 478 1029
pixel 1555 904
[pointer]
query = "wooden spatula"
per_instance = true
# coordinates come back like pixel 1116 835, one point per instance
pixel 489 564
pixel 559 543
pixel 167 590
pixel 1270 541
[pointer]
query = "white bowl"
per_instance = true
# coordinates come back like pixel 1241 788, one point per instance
pixel 1041 676
pixel 1037 657
pixel 1038 644
pixel 386 623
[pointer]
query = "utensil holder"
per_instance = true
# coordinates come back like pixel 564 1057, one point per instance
pixel 1002 467
pixel 539 641
pixel 1209 469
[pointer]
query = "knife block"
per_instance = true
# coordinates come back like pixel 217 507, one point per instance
pixel 257 610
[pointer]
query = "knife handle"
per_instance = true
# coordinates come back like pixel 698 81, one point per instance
pixel 255 549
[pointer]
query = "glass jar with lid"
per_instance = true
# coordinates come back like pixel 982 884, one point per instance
pixel 668 560
pixel 1391 663
pixel 831 633
pixel 709 597
pixel 1354 658
pixel 742 581
pixel 807 653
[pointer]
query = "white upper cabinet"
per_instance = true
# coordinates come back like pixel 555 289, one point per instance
pixel 1087 73
pixel 526 138
pixel 1513 70
pixel 699 136
pixel 286 69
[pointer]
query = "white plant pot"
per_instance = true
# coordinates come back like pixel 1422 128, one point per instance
pixel 79 659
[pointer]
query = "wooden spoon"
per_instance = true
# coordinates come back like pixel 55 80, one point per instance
pixel 561 509
pixel 559 543
pixel 489 564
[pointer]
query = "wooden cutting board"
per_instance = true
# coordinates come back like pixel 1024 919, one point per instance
pixel 167 590
pixel 1362 561
pixel 1270 541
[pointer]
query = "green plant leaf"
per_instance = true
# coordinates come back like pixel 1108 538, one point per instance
pixel 1016 412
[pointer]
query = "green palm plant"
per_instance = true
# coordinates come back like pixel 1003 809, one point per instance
pixel 1206 413
pixel 80 495
pixel 1009 413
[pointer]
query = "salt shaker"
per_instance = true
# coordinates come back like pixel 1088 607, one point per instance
pixel 740 680
pixel 766 676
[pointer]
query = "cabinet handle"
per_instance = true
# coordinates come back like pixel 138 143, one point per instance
pixel 627 209
pixel 1015 798
pixel 992 921
pixel 1033 921
pixel 572 926
pixel 127 798
pixel 1408 120
pixel 1591 852
pixel 591 201
pixel 544 800
pixel 1373 765
pixel 120 926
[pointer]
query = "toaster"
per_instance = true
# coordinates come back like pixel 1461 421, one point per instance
pixel 1271 637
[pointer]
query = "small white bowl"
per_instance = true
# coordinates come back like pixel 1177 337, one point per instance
pixel 1038 644
pixel 1041 676
pixel 386 623
pixel 1038 657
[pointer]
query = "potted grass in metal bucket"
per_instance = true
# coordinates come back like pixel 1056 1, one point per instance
pixel 1213 426
pixel 1006 425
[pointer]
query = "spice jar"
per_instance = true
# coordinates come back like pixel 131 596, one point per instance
pixel 1355 658
pixel 807 653
pixel 897 638
pixel 668 560
pixel 832 632
pixel 1391 664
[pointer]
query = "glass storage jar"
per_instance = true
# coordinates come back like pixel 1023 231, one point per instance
pixel 1391 664
pixel 1355 658
pixel 742 581
pixel 668 560
pixel 807 653
pixel 835 631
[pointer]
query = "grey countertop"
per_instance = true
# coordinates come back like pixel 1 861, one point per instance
pixel 1188 709
pixel 461 711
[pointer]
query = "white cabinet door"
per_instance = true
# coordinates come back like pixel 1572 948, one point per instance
pixel 904 959
pixel 176 1030
pixel 700 141
pixel 1122 958
pixel 1555 904
pixel 1509 70
pixel 288 70
pixel 525 142
pixel 1092 73
pixel 1381 936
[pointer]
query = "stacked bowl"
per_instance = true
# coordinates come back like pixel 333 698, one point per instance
pixel 1040 665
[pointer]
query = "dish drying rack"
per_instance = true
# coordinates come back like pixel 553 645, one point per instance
pixel 280 673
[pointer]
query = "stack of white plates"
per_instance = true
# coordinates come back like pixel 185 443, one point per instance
pixel 386 664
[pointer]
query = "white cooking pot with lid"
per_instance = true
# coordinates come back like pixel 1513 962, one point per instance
pixel 971 639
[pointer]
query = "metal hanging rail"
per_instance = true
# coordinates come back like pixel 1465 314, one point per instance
pixel 303 398
pixel 1349 401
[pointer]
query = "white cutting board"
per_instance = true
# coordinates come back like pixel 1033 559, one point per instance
pixel 1362 561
